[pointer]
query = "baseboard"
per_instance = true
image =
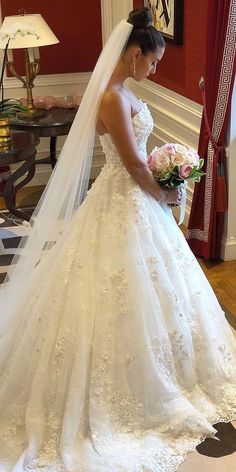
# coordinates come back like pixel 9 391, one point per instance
pixel 228 249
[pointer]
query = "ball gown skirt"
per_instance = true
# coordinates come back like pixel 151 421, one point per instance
pixel 122 360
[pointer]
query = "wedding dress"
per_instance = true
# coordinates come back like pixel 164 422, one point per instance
pixel 123 359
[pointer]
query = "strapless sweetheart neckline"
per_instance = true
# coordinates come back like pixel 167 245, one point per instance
pixel 132 117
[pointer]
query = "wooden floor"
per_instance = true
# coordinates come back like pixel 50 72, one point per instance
pixel 221 275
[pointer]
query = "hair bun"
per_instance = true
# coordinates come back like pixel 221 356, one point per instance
pixel 140 18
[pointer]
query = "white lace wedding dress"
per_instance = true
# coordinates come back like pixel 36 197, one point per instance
pixel 123 359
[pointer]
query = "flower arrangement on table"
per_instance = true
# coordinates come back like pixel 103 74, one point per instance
pixel 49 101
pixel 172 165
pixel 11 106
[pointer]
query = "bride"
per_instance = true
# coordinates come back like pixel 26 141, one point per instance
pixel 115 354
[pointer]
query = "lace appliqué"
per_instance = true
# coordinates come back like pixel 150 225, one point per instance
pixel 121 285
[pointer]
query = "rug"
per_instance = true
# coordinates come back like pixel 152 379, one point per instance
pixel 212 455
pixel 11 232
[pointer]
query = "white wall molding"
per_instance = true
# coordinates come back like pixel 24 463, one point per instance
pixel 72 78
pixel 59 85
pixel 113 11
pixel 228 247
pixel 174 115
pixel 107 19
pixel 121 10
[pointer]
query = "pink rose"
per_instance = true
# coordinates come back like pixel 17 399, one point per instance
pixel 151 163
pixel 184 171
pixel 169 148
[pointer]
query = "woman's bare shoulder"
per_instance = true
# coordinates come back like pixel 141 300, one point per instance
pixel 114 100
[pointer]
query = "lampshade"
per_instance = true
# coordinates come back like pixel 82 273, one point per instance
pixel 35 31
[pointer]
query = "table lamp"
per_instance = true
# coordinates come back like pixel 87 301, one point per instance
pixel 27 32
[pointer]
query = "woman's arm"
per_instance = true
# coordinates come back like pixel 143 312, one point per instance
pixel 116 115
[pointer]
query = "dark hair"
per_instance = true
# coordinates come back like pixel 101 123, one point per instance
pixel 144 34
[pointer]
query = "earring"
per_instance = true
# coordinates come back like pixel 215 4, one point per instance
pixel 134 68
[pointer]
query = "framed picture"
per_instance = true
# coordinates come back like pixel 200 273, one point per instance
pixel 168 18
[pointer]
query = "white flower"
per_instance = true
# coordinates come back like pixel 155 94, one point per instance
pixel 178 159
pixel 6 35
pixel 162 162
pixel 192 158
pixel 155 149
pixel 17 28
pixel 181 149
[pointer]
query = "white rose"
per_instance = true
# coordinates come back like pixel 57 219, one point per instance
pixel 155 149
pixel 191 159
pixel 181 149
pixel 177 159
pixel 162 162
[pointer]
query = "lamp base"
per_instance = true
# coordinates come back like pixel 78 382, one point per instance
pixel 32 114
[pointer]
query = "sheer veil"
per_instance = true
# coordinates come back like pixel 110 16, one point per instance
pixel 66 188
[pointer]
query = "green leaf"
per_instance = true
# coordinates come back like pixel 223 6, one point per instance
pixel 192 173
pixel 10 105
pixel 175 170
pixel 201 162
pixel 176 182
pixel 167 175
pixel 4 115
pixel 200 173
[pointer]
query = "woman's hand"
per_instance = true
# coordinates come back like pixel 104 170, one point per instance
pixel 172 196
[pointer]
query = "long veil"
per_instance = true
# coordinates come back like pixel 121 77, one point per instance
pixel 66 188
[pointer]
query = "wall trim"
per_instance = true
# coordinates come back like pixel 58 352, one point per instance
pixel 112 12
pixel 170 108
pixel 228 249
pixel 51 80
pixel 107 19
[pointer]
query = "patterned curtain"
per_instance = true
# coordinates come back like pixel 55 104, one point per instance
pixel 210 196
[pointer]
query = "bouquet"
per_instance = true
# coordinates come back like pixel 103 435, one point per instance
pixel 173 164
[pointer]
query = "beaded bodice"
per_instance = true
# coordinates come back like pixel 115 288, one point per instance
pixel 143 126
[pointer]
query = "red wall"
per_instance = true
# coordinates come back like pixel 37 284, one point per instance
pixel 182 66
pixel 138 3
pixel 77 25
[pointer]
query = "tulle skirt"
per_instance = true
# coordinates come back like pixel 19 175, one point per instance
pixel 121 358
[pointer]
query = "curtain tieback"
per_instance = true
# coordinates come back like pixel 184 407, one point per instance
pixel 221 190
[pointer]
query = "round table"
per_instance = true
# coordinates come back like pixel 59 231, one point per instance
pixel 20 150
pixel 55 122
